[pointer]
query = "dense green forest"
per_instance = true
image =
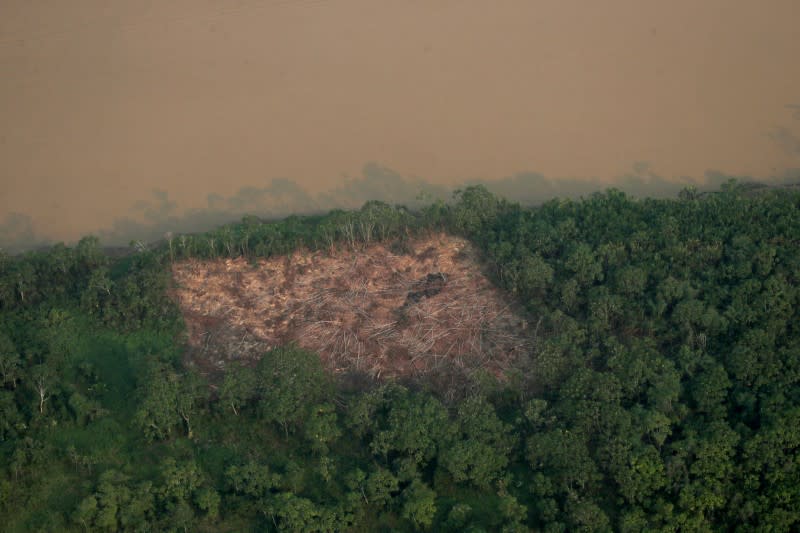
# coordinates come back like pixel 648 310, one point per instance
pixel 663 393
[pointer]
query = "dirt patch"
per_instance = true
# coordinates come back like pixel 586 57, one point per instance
pixel 373 311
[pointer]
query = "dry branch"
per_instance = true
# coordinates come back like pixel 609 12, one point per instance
pixel 376 312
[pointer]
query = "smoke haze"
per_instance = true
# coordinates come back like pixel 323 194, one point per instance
pixel 127 119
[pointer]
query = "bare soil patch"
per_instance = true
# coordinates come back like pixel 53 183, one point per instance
pixel 372 310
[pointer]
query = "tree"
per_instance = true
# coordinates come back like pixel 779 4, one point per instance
pixel 564 456
pixel 642 474
pixel 474 207
pixel 251 479
pixel 238 387
pixel 85 409
pixel 587 516
pixel 208 500
pixel 415 428
pixel 10 362
pixel 479 452
pixel 183 490
pixel 43 381
pixel 11 421
pixel 167 399
pixel 458 517
pixel 89 254
pixel 117 504
pixel 86 512
pixel 98 290
pixel 583 263
pixel 419 504
pixel 355 481
pixel 24 278
pixel 381 487
pixel 156 413
pixel 709 390
pixel 192 393
pixel 529 276
pixel 321 427
pixel 289 378
pixel 301 514
pixel 179 480
pixel 631 281
pixel 513 512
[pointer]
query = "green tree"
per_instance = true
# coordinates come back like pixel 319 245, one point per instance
pixel 10 362
pixel 168 398
pixel 419 504
pixel 321 428
pixel 252 479
pixel 295 513
pixel 529 276
pixel 238 387
pixel 584 265
pixel 289 379
pixel 563 456
pixel 191 397
pixel 474 207
pixel 479 452
pixel 117 505
pixel 415 428
pixel 381 487
pixel 98 291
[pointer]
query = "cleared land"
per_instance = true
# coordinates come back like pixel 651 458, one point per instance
pixel 386 310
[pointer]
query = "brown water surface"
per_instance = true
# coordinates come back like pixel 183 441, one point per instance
pixel 103 101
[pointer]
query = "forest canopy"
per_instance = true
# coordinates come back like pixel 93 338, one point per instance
pixel 662 393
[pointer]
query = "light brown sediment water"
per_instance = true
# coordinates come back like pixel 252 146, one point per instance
pixel 103 101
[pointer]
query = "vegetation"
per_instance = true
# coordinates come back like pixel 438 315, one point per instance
pixel 662 393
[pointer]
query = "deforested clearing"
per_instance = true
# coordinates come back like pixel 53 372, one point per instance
pixel 388 310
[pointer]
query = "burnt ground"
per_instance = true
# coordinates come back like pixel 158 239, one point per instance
pixel 372 311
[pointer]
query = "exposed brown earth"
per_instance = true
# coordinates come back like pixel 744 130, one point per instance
pixel 389 314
